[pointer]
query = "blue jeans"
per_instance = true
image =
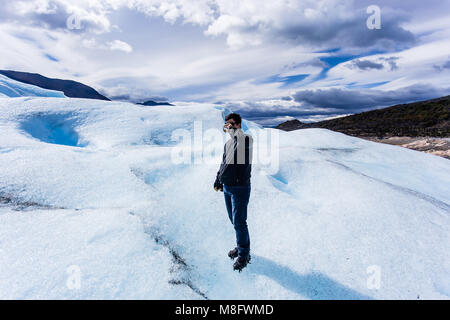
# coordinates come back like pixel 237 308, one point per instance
pixel 236 200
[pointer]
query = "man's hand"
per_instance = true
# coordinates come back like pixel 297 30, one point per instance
pixel 217 185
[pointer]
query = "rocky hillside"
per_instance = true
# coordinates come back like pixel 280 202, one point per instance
pixel 429 118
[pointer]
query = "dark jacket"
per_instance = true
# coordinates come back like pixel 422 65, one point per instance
pixel 236 165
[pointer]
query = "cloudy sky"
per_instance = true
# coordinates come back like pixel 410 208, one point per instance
pixel 269 60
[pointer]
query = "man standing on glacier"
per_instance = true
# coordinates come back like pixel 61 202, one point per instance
pixel 233 178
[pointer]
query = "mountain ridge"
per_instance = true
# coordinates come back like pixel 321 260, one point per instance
pixel 418 119
pixel 70 88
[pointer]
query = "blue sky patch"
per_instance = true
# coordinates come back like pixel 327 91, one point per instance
pixel 286 80
pixel 50 57
pixel 333 61
pixel 354 85
pixel 329 50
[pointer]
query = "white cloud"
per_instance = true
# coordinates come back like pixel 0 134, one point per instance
pixel 120 46
pixel 197 12
pixel 253 22
pixel 116 45
pixel 54 14
pixel 412 66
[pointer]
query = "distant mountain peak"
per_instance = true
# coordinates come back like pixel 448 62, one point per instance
pixel 154 103
pixel 290 125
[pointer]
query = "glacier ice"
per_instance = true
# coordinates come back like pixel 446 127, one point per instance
pixel 113 217
pixel 12 88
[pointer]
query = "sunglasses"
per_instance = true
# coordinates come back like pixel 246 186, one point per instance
pixel 232 123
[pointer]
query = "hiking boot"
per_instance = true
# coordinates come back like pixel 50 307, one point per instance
pixel 233 253
pixel 241 263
